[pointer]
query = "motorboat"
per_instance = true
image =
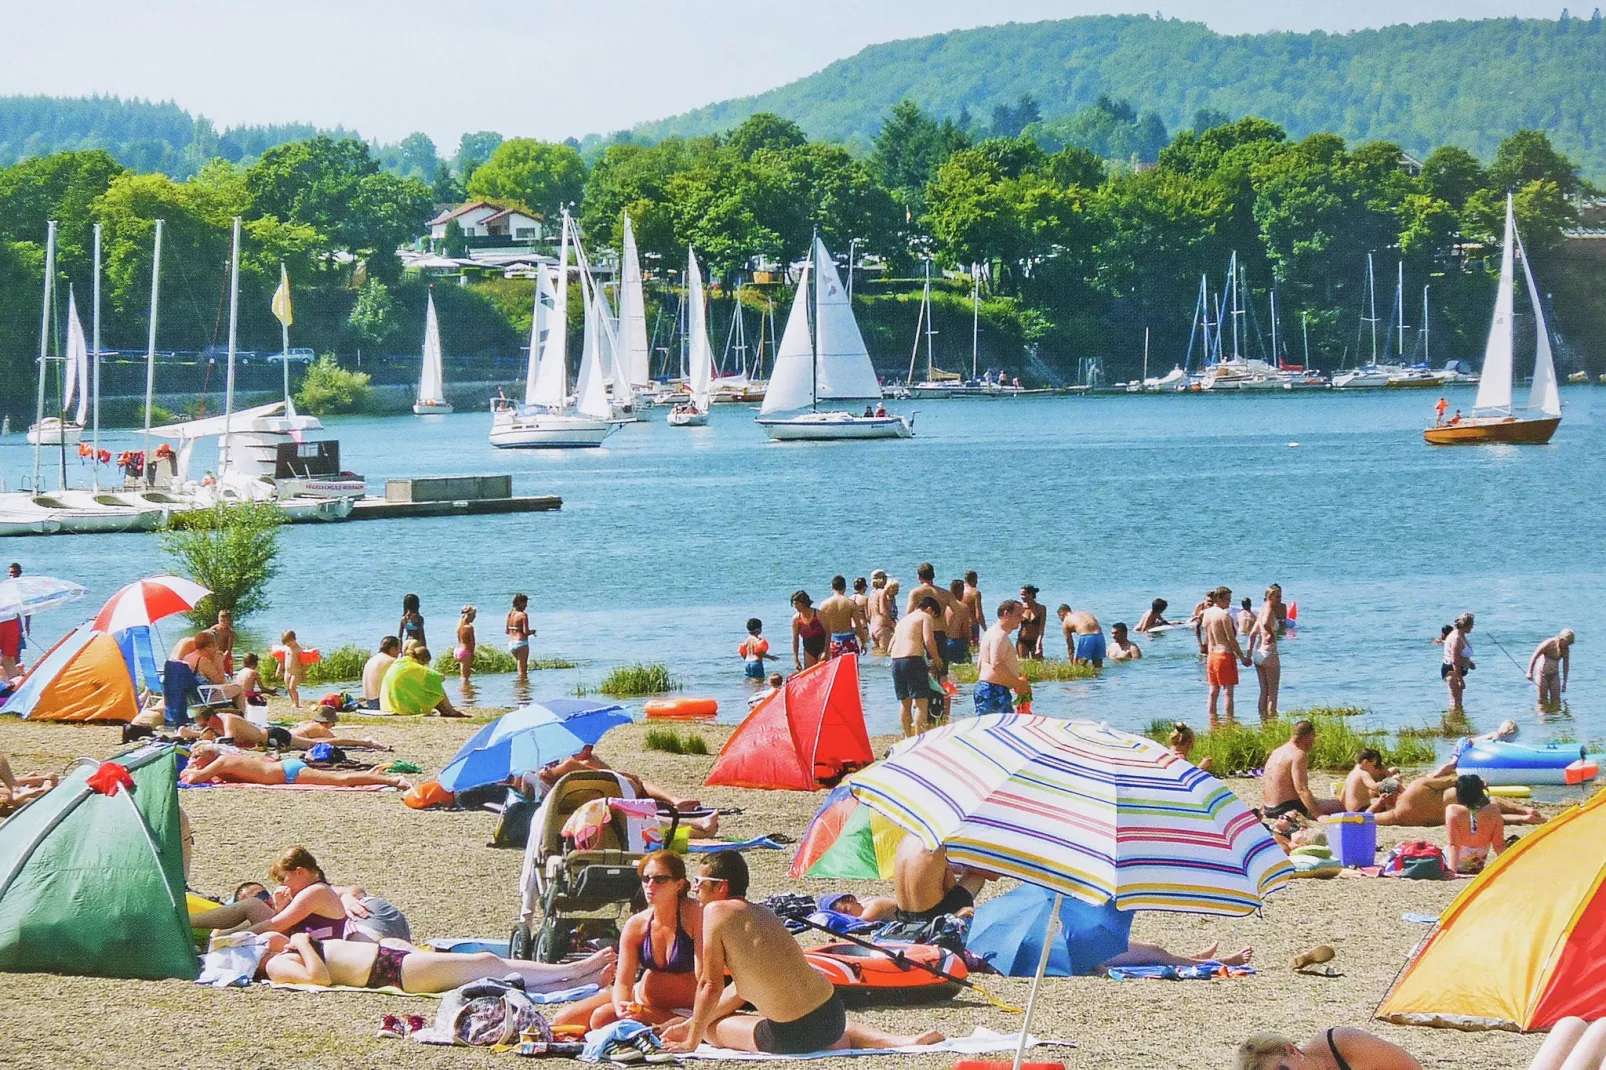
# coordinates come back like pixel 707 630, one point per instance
pixel 833 426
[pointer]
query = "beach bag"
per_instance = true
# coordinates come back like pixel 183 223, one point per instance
pixel 1418 860
pixel 513 828
pixel 429 795
pixel 486 1014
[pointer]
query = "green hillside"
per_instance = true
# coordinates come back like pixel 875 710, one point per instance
pixel 1465 83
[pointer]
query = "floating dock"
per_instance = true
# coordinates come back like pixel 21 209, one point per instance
pixel 451 496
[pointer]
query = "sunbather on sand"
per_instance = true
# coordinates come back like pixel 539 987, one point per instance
pixel 214 725
pixel 304 902
pixel 876 908
pixel 926 886
pixel 797 1009
pixel 300 959
pixel 208 765
pixel 1422 803
pixel 16 790
pixel 1573 1044
pixel 587 758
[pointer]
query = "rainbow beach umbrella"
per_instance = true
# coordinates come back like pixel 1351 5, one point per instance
pixel 1082 810
pixel 847 841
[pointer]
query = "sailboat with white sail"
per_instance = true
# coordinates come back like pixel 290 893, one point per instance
pixel 937 383
pixel 1493 417
pixel 59 430
pixel 1372 374
pixel 548 419
pixel 632 349
pixel 431 383
pixel 694 411
pixel 830 362
pixel 746 383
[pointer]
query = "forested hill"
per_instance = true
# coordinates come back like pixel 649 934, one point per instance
pixel 1465 83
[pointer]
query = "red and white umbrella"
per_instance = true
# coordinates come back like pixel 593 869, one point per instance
pixel 146 601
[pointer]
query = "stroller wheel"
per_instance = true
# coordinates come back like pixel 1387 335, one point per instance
pixel 553 943
pixel 521 944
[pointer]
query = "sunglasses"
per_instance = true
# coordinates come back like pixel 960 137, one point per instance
pixel 698 882
pixel 657 878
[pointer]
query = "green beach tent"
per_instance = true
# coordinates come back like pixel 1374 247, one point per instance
pixel 92 875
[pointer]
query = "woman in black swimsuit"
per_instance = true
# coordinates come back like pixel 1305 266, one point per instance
pixel 300 959
pixel 412 622
pixel 809 629
pixel 659 949
pixel 1573 1043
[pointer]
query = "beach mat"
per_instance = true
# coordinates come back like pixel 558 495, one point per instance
pixel 755 844
pixel 565 995
pixel 294 787
pixel 981 1042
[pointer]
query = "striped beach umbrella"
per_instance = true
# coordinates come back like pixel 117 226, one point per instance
pixel 144 602
pixel 1081 809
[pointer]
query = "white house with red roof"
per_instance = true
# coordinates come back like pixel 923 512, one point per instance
pixel 482 219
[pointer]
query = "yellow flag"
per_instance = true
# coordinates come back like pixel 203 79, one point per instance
pixel 281 298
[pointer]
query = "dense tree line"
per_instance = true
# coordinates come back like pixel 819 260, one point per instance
pixel 1080 253
pixel 1463 82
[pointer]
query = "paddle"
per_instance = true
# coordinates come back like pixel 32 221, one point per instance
pixel 905 962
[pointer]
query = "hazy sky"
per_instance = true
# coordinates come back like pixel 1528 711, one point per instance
pixel 535 68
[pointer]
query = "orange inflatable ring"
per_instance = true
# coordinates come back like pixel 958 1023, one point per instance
pixel 681 709
pixel 309 656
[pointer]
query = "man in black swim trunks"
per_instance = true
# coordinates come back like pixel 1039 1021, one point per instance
pixel 927 886
pixel 798 1009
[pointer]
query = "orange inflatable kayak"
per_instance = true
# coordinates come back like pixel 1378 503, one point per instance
pixel 681 709
pixel 865 975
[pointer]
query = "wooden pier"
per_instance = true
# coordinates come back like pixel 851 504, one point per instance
pixel 381 509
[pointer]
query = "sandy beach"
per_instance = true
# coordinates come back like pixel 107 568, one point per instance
pixel 438 869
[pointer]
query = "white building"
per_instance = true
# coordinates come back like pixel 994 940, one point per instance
pixel 482 219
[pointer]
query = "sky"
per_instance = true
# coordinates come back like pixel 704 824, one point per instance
pixel 538 68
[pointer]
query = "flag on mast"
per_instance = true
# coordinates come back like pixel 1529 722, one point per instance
pixel 281 297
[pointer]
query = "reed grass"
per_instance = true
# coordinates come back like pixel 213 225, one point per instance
pixel 672 741
pixel 1239 748
pixel 628 681
pixel 1036 672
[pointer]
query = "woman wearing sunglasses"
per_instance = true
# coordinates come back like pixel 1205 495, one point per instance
pixel 659 950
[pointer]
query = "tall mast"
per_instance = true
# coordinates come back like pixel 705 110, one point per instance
pixel 226 459
pixel 929 331
pixel 150 351
pixel 1427 355
pixel 1371 289
pixel 94 440
pixel 1399 300
pixel 1304 329
pixel 814 365
pixel 284 334
pixel 975 318
pixel 1237 303
pixel 1145 355
pixel 1275 358
pixel 44 347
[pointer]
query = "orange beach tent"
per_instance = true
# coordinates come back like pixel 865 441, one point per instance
pixel 90 675
pixel 808 734
pixel 1524 945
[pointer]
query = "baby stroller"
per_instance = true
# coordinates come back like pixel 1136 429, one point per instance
pixel 582 895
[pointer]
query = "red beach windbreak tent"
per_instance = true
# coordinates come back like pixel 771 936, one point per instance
pixel 807 735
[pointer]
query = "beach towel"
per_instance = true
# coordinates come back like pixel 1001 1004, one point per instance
pixel 757 843
pixel 295 787
pixel 981 1042
pixel 233 961
pixel 1204 971
pixel 567 995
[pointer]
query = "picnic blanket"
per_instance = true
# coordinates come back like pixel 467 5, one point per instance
pixel 295 787
pixel 1204 971
pixel 980 1042
pixel 757 843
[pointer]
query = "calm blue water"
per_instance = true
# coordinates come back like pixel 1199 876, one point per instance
pixel 669 539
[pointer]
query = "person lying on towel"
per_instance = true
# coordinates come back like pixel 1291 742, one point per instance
pixel 300 959
pixel 216 725
pixel 798 1010
pixel 210 765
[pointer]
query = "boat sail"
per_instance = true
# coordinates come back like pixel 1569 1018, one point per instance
pixel 833 364
pixel 694 413
pixel 431 386
pixel 546 420
pixel 633 343
pixel 1493 418
pixel 545 306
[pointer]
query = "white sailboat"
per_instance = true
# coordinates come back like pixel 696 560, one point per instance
pixel 937 383
pixel 431 383
pixel 632 341
pixel 694 411
pixel 1373 374
pixel 832 364
pixel 546 420
pixel 622 401
pixel 746 382
pixel 1493 418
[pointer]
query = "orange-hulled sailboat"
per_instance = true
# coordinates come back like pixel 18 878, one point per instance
pixel 1493 419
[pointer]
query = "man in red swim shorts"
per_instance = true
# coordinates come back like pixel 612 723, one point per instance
pixel 1219 644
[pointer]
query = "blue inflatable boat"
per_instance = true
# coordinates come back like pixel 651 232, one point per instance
pixel 1521 763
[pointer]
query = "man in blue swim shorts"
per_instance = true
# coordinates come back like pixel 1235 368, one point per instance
pixel 997 665
pixel 1084 638
pixel 209 765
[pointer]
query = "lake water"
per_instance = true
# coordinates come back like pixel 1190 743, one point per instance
pixel 669 539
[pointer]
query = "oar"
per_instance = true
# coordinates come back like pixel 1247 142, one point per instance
pixel 905 961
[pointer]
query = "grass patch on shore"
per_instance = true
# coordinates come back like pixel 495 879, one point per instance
pixel 630 681
pixel 1036 672
pixel 1241 747
pixel 672 741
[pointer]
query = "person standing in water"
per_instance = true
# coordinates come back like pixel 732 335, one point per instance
pixel 1457 661
pixel 1033 621
pixel 915 655
pixel 466 642
pixel 1219 643
pixel 1084 638
pixel 808 630
pixel 997 668
pixel 958 625
pixel 1553 659
pixel 861 598
pixel 412 622
pixel 518 634
pixel 842 618
pixel 882 610
pixel 978 615
pixel 1267 661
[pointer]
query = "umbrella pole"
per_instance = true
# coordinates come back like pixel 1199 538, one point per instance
pixel 1037 982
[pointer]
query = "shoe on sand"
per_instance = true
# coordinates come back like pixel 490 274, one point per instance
pixel 1315 956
